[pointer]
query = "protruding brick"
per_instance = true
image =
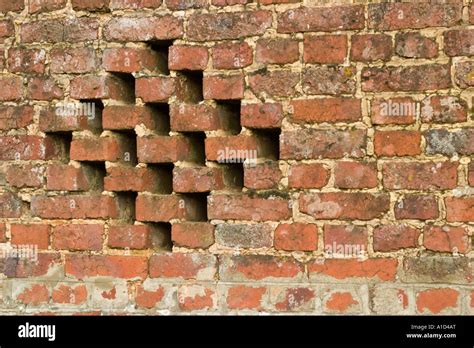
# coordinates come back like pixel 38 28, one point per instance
pixel 200 179
pixel 163 208
pixel 265 115
pixel 165 149
pixel 129 60
pixel 201 117
pixel 126 178
pixel 100 149
pixel 129 236
pixel 262 176
pixel 193 234
pixel 187 57
pixel 100 87
pixel 223 87
pixel 118 117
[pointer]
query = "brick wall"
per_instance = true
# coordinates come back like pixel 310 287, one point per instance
pixel 236 156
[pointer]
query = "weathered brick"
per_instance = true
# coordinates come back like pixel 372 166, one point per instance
pixel 420 175
pixel 463 74
pixel 415 45
pixel 331 270
pixel 193 234
pixel 73 60
pixel 442 141
pixel 276 51
pixel 130 60
pixel 296 237
pixel 78 237
pixel 244 235
pixel 126 29
pixel 325 49
pixel 14 117
pixel 406 78
pixel 100 87
pixel 55 31
pixel 443 109
pixel 230 55
pixel 183 57
pixel 450 239
pixel 25 175
pixel 37 235
pixel 326 110
pixel 437 300
pixel 279 83
pixel 117 117
pixel 397 143
pixel 129 236
pixel 345 240
pixel 420 207
pixel 315 143
pixel 401 110
pixel 305 176
pixel 228 26
pixel 459 208
pixel 28 148
pixel 12 88
pixel 371 47
pixel 245 297
pixel 111 148
pixel 395 237
pixel 321 19
pixel 126 178
pixel 200 179
pixel 437 269
pixel 185 266
pixel 163 208
pixel 349 174
pixel 165 149
pixel 393 16
pixel 10 205
pixel 11 5
pixel 262 176
pixel 222 87
pixel 26 60
pixel 201 117
pixel 332 80
pixel 344 205
pixel 44 88
pixel 69 178
pixel 244 207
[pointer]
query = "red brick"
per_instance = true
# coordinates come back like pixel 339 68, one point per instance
pixel 395 237
pixel 296 237
pixel 385 269
pixel 11 5
pixel 193 234
pixel 55 31
pixel 117 266
pixel 200 117
pixel 333 80
pixel 315 143
pixel 463 74
pixel 449 143
pixel 127 29
pixel 75 207
pixel 46 262
pixel 112 148
pixel 92 5
pixel 134 4
pixel 37 235
pixel 222 3
pixel 397 143
pixel 200 179
pixel 344 205
pixel 73 60
pixel 69 178
pixel 100 87
pixel 26 60
pixel 262 176
pixel 236 149
pixel 34 295
pixel 231 55
pixel 149 299
pixel 326 110
pixel 7 29
pixel 276 83
pixel 304 176
pixel 25 175
pixel 295 299
pixel 415 45
pixel 187 57
pixel 37 6
pixel 28 148
pixel 183 4
pixel 228 26
pixel 70 294
pixel 245 297
pixel 185 266
pixel 78 237
pixel 325 49
pixel 244 235
pixel 196 297
pixel 14 117
pixel 155 89
pixel 129 60
pixel 449 239
pixel 10 206
pixel 352 239
pixel 436 300
pixel 129 236
pixel 348 174
pixel 118 117
pixel 321 19
pixel 12 88
pixel 259 268
pixel 471 174
pixel 165 149
pixel 277 51
pixel 420 175
pixel 3 231
pixel 406 78
pixel 222 87
pixel 371 47
pixel 393 16
pixel 125 178
pixel 460 208
pixel 419 207
pixel 264 115
pixel 242 207
pixel 401 110
pixel 163 208
pixel 443 109
pixel 69 117
pixel 44 88
pixel 459 42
